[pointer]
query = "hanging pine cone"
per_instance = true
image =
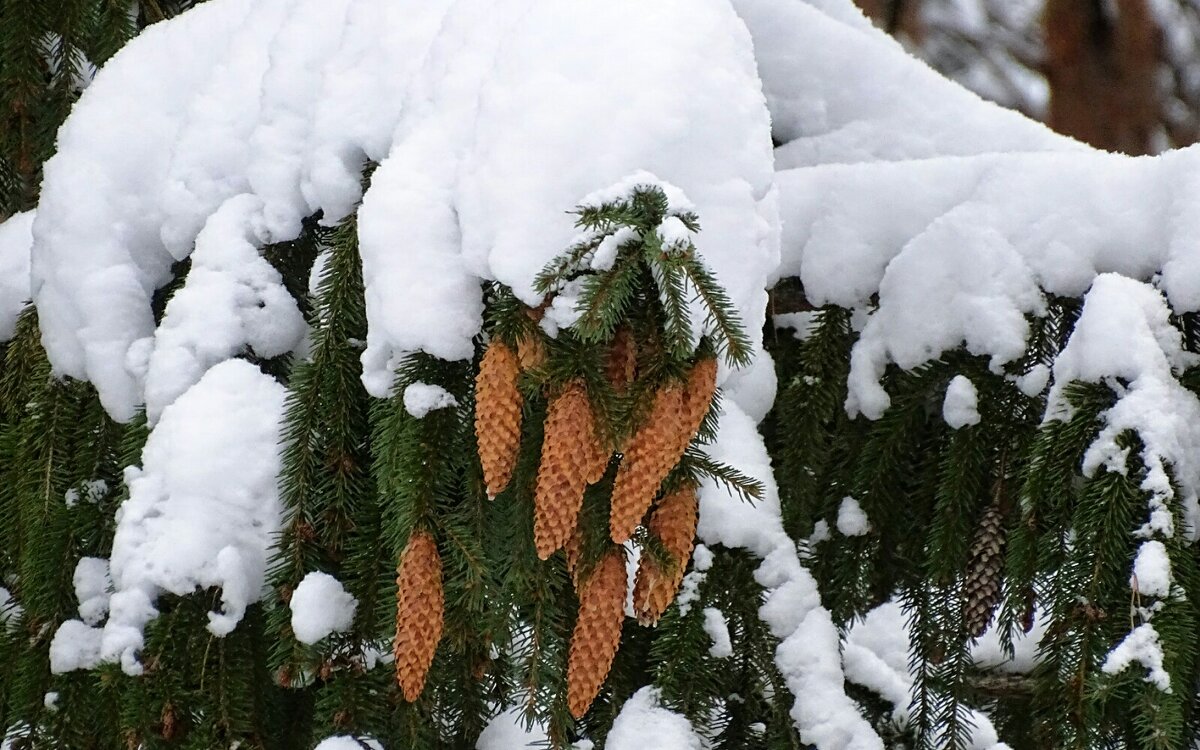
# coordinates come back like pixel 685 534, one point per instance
pixel 597 632
pixel 621 366
pixel 674 524
pixel 573 549
pixel 981 589
pixel 419 610
pixel 531 352
pixel 698 397
pixel 572 458
pixel 652 453
pixel 498 415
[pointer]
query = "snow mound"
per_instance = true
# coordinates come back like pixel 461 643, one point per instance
pixel 255 115
pixel 644 724
pixel 897 108
pixel 16 240
pixel 321 607
pixel 346 742
pixel 507 731
pixel 202 511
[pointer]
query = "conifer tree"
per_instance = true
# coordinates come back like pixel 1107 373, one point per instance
pixel 542 527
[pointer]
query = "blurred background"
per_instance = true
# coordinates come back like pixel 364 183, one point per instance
pixel 1122 75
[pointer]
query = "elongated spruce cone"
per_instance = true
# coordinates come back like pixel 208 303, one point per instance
pixel 674 524
pixel 985 572
pixel 498 405
pixel 697 398
pixel 651 454
pixel 572 458
pixel 419 612
pixel 597 632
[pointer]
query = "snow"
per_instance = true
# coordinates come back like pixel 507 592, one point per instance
pixel 507 731
pixel 1141 646
pixel 808 655
pixel 876 656
pixel 280 104
pixel 422 398
pixel 346 742
pixel 852 519
pixel 961 406
pixel 897 107
pixel 1151 570
pixel 1124 338
pixel 202 511
pixel 644 724
pixel 320 607
pixel 718 630
pixel 92 586
pixel 232 299
pixel 16 239
pixel 9 609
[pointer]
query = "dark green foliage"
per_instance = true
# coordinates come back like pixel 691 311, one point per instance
pixel 1068 538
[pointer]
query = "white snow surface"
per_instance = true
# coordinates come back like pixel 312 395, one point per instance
pixel 1124 338
pixel 92 587
pixel 346 742
pixel 1151 570
pixel 876 657
pixel 961 405
pixel 16 241
pixel 507 731
pixel 202 511
pixel 808 655
pixel 1140 646
pixel 851 518
pixel 422 398
pixel 718 630
pixel 644 724
pixel 320 607
pixel 254 115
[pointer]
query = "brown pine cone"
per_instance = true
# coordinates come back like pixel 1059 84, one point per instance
pixel 531 351
pixel 419 610
pixel 621 365
pixel 498 405
pixel 573 549
pixel 652 453
pixel 572 458
pixel 674 524
pixel 981 588
pixel 597 632
pixel 698 396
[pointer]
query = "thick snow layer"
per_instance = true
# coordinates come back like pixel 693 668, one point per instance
pixel 808 655
pixel 202 511
pixel 321 607
pixel 876 657
pixel 16 240
pixel 897 106
pixel 961 405
pixel 232 299
pixel 508 731
pixel 644 724
pixel 253 115
pixel 960 251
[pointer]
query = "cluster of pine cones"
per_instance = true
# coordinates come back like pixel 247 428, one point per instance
pixel 574 455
